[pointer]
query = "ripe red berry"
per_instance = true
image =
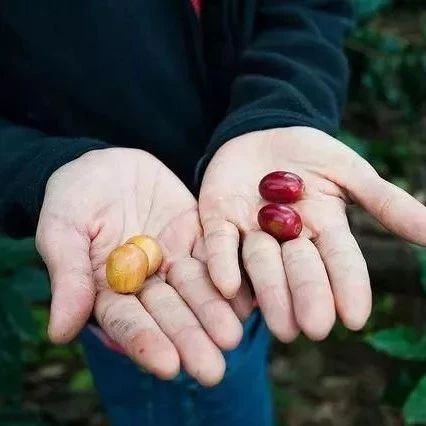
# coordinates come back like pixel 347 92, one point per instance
pixel 282 222
pixel 281 187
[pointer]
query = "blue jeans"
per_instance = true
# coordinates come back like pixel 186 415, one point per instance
pixel 134 398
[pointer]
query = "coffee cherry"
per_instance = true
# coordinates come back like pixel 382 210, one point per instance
pixel 282 222
pixel 151 248
pixel 126 269
pixel 281 187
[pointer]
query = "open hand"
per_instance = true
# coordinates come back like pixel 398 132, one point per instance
pixel 95 203
pixel 301 283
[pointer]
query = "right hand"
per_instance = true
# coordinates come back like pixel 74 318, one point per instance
pixel 95 203
pixel 302 283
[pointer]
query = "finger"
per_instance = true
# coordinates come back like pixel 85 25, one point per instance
pixel 222 240
pixel 65 251
pixel 347 272
pixel 310 289
pixel 242 303
pixel 394 208
pixel 127 322
pixel 191 280
pixel 264 265
pixel 199 355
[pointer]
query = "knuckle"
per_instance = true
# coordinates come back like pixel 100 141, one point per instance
pixel 218 256
pixel 110 319
pixel 268 292
pixel 185 273
pixel 187 332
pixel 220 241
pixel 293 245
pixel 106 313
pixel 337 243
pixel 120 328
pixel 256 257
pixel 343 253
pixel 221 232
pixel 385 206
pixel 296 257
pixel 305 285
pixel 155 291
pixel 161 300
pixel 209 309
pixel 261 239
pixel 218 234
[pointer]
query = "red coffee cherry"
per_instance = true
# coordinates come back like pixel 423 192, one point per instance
pixel 282 222
pixel 281 187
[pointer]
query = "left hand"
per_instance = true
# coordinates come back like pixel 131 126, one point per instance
pixel 303 282
pixel 94 204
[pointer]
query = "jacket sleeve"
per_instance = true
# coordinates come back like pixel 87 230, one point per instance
pixel 292 72
pixel 27 159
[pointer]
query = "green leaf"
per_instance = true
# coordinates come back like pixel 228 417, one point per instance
pixel 415 406
pixel 400 342
pixel 32 282
pixel 18 312
pixel 81 381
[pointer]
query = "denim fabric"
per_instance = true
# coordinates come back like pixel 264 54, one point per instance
pixel 132 397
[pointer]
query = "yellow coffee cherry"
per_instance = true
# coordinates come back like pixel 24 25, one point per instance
pixel 127 269
pixel 151 248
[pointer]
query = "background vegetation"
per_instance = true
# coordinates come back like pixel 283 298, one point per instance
pixel 375 377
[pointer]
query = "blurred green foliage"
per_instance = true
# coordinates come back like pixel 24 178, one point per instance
pixel 24 297
pixel 404 343
pixel 385 122
pixel 387 98
pixel 387 114
pixel 22 285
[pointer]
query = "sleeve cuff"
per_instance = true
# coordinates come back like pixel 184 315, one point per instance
pixel 59 156
pixel 24 212
pixel 238 124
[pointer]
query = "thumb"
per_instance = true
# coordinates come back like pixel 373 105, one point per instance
pixel 65 251
pixel 394 208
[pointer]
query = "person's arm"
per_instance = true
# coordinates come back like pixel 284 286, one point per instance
pixel 27 160
pixel 293 72
pixel 84 202
pixel 285 101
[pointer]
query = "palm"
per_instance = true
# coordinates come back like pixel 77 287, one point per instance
pixel 302 283
pixel 96 203
pixel 129 202
pixel 233 190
